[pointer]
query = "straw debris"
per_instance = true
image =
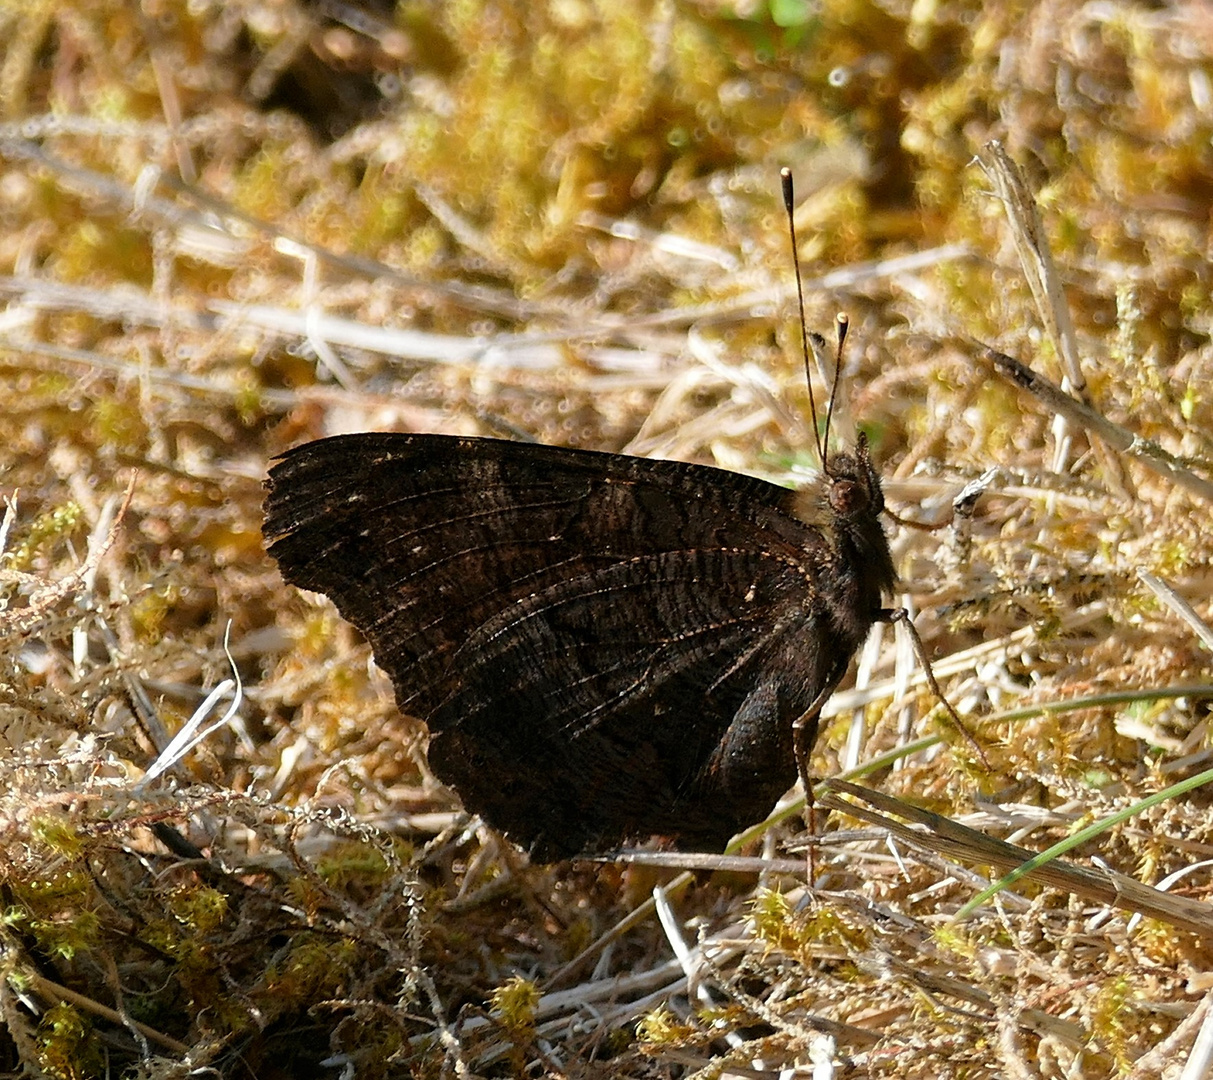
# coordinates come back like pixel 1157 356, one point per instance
pixel 232 228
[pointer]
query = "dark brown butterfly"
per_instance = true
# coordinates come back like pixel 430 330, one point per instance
pixel 602 647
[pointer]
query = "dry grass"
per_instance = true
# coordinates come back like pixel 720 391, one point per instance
pixel 230 228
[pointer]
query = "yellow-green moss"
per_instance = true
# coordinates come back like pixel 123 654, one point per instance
pixel 316 966
pixel 68 1047
pixel 53 525
pixel 514 1003
pixel 662 1028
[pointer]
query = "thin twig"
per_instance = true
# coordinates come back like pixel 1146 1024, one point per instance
pixel 1168 596
pixel 47 988
pixel 968 845
pixel 1144 451
pixel 1052 308
pixel 1032 246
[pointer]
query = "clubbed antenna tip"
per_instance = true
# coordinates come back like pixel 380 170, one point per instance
pixel 789 205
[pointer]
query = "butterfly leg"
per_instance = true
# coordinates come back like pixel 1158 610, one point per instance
pixel 804 735
pixel 901 615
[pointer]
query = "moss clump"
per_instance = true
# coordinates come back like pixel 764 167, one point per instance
pixel 68 1047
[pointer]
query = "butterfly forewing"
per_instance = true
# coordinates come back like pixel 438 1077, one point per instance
pixel 603 647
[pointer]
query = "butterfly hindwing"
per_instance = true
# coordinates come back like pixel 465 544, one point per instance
pixel 648 697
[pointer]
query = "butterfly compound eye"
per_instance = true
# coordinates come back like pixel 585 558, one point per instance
pixel 847 497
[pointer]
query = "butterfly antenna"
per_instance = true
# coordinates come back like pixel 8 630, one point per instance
pixel 789 202
pixel 842 324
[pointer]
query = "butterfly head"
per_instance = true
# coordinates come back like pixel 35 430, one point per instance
pixel 852 486
pixel 846 493
pixel 845 504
